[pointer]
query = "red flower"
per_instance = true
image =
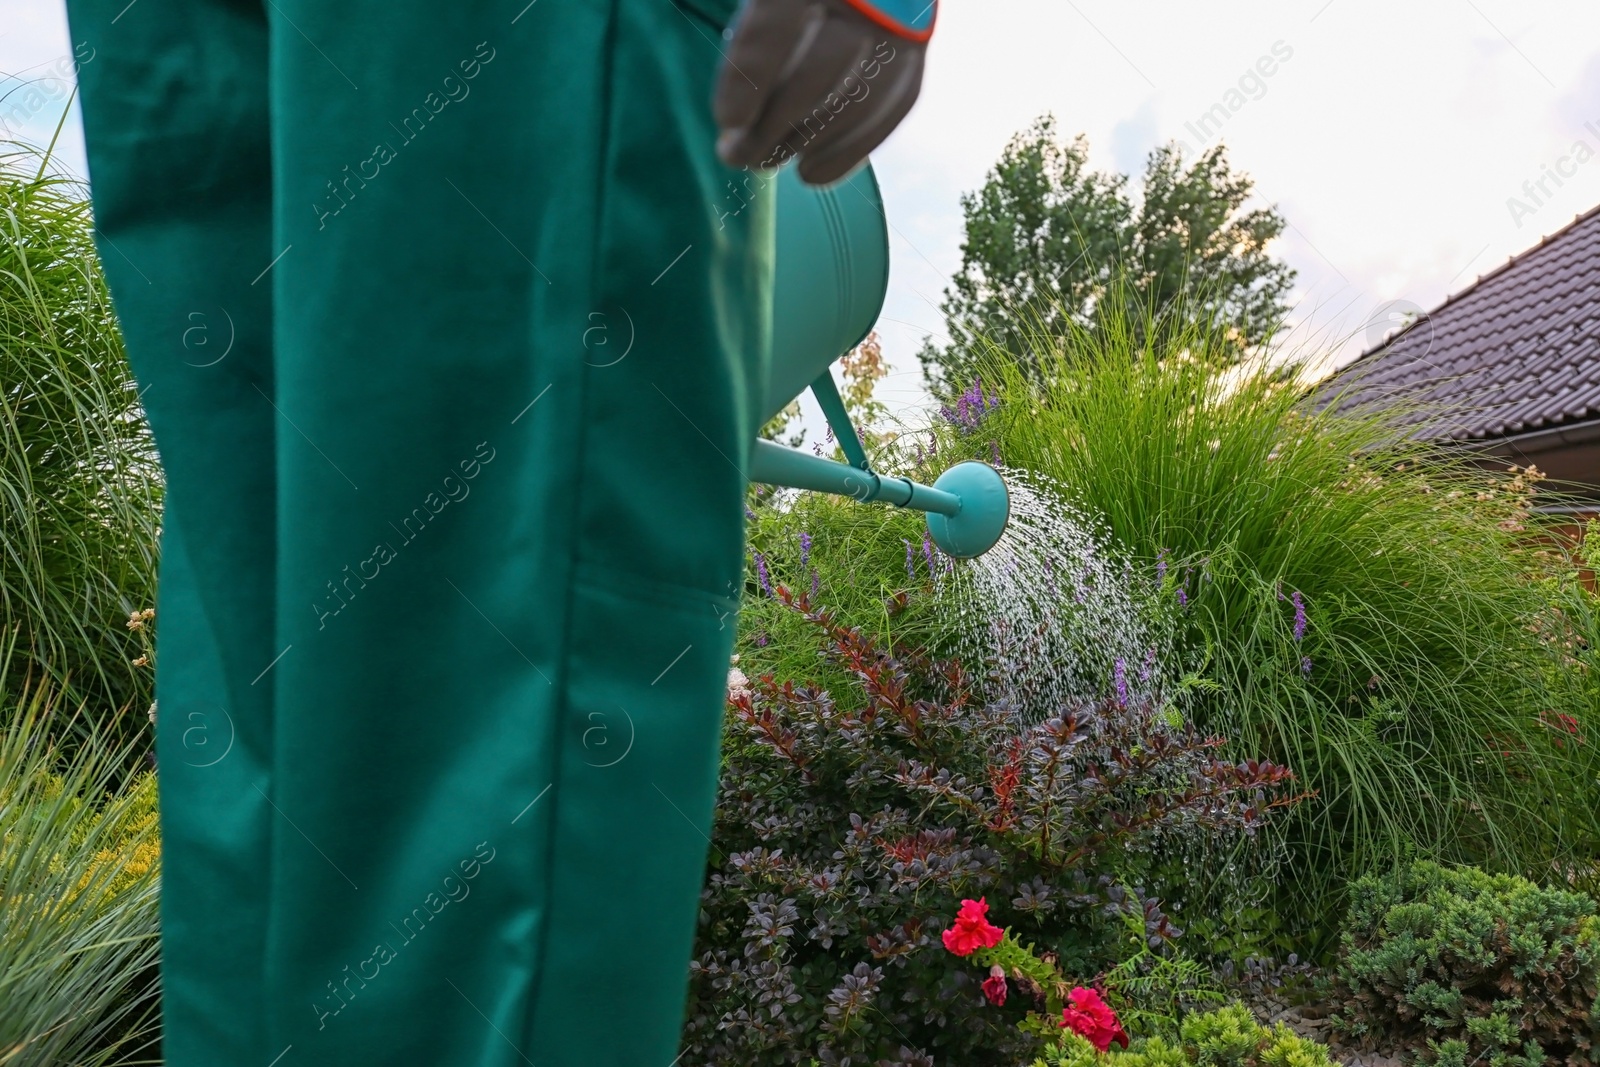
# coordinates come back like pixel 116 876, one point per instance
pixel 994 986
pixel 1087 1014
pixel 972 930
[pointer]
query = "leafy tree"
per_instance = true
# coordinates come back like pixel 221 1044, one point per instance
pixel 1046 235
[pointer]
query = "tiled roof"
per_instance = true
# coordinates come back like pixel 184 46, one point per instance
pixel 1517 352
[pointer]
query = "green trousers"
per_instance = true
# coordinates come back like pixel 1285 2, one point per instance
pixel 452 344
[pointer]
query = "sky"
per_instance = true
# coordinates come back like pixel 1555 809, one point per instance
pixel 1404 143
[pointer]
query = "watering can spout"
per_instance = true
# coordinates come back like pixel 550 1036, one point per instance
pixel 831 280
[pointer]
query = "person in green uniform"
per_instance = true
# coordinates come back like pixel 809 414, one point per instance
pixel 453 351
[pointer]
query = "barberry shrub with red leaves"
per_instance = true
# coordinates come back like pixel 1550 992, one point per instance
pixel 851 822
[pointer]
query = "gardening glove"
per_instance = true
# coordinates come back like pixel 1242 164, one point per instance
pixel 825 80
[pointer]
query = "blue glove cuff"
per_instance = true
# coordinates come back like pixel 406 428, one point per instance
pixel 912 19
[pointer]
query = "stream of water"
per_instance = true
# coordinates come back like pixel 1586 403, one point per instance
pixel 1055 613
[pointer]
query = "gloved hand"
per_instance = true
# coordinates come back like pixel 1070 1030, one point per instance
pixel 825 80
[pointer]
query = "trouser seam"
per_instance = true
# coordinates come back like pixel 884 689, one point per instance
pixel 563 681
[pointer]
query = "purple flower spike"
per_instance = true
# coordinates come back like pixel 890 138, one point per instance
pixel 1121 675
pixel 1305 666
pixel 927 553
pixel 911 565
pixel 1161 565
pixel 1299 616
pixel 749 514
pixel 971 406
pixel 805 549
pixel 761 574
pixel 1183 598
pixel 816 584
pixel 994 452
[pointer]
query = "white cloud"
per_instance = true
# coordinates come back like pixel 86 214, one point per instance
pixel 36 78
pixel 1391 140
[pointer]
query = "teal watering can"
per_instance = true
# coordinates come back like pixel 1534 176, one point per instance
pixel 831 279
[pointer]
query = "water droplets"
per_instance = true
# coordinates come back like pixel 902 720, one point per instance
pixel 1054 612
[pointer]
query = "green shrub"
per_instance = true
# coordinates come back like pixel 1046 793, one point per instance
pixel 79 912
pixel 851 819
pixel 1222 1038
pixel 1227 1037
pixel 78 469
pixel 1488 967
pixel 1368 607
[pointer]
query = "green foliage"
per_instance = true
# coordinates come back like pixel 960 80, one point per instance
pixel 1152 987
pixel 1285 1048
pixel 1238 932
pixel 1046 236
pixel 78 893
pixel 78 468
pixel 1456 1054
pixel 853 817
pixel 1226 1037
pixel 1075 1051
pixel 1415 692
pixel 1486 969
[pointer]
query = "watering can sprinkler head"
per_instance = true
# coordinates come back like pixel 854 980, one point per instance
pixel 985 509
pixel 831 279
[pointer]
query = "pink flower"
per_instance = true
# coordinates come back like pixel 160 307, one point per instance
pixel 994 986
pixel 1090 1016
pixel 972 929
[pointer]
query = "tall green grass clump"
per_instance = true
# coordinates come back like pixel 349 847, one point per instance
pixel 79 909
pixel 1370 607
pixel 80 486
